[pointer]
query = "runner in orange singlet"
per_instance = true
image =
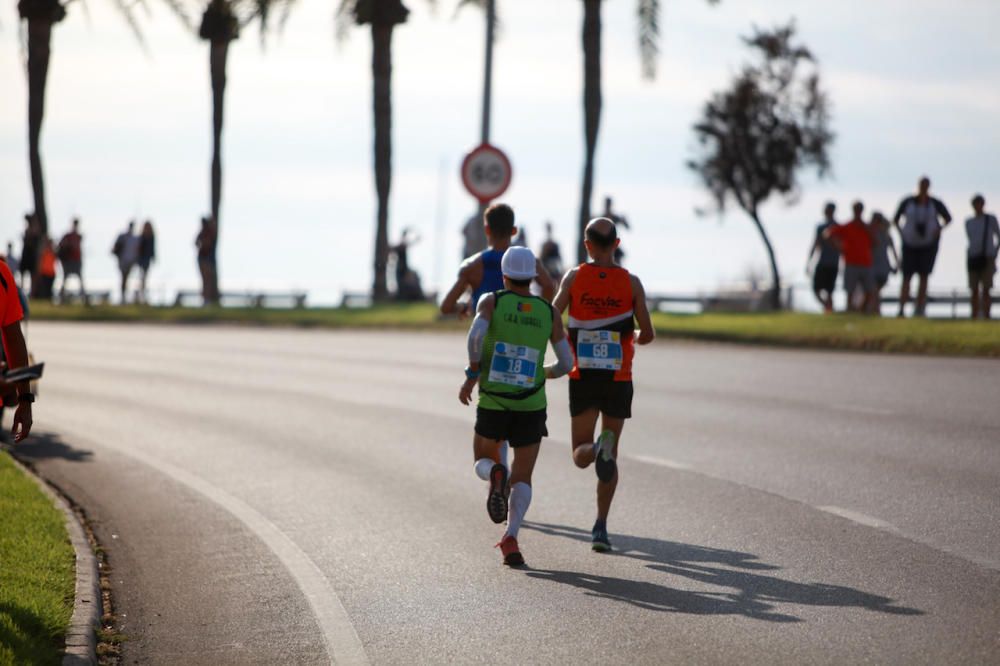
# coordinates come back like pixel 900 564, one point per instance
pixel 605 301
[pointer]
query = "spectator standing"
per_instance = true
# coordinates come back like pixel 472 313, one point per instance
pixel 12 261
pixel 474 235
pixel 854 240
pixel 983 233
pixel 70 253
pixel 126 249
pixel 925 217
pixel 824 271
pixel 147 253
pixel 550 255
pixel 619 221
pixel 46 270
pixel 31 245
pixel 882 247
pixel 206 241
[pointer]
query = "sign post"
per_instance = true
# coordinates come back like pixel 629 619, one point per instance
pixel 486 173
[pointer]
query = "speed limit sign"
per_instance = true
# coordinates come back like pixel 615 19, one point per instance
pixel 486 172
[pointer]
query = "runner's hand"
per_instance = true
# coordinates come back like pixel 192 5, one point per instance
pixel 465 393
pixel 22 422
pixel 464 310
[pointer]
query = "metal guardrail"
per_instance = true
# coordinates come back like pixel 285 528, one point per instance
pixel 252 299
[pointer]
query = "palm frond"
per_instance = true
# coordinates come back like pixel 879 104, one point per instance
pixel 180 10
pixel 126 11
pixel 649 35
pixel 343 20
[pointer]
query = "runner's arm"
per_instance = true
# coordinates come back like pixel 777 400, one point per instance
pixel 449 305
pixel 17 356
pixel 560 343
pixel 646 332
pixel 544 281
pixel 561 301
pixel 477 332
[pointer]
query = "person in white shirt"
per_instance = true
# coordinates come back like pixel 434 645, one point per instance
pixel 925 218
pixel 983 233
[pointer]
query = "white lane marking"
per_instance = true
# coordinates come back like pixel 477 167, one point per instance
pixel 860 518
pixel 858 409
pixel 343 645
pixel 660 462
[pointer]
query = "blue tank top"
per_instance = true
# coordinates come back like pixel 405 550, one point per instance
pixel 492 276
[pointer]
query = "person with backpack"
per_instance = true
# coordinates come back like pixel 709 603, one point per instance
pixel 983 233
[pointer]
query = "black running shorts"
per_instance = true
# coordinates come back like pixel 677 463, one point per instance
pixel 611 398
pixel 919 260
pixel 518 428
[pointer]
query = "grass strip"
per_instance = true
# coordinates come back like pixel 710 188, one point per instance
pixel 914 336
pixel 37 575
pixel 953 337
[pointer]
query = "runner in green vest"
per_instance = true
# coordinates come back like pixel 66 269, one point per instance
pixel 507 342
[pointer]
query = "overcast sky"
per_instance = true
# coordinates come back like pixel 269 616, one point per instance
pixel 914 86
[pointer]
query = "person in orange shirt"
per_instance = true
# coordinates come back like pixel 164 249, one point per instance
pixel 605 301
pixel 15 352
pixel 854 239
pixel 47 270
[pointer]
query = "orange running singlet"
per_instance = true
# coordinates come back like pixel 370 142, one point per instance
pixel 601 323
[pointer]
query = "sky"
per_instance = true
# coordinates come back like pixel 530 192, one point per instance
pixel 913 84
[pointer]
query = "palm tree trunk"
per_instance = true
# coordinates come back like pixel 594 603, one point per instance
pixel 218 54
pixel 775 280
pixel 39 41
pixel 591 108
pixel 382 103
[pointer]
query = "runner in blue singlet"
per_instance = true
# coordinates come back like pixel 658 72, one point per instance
pixel 480 274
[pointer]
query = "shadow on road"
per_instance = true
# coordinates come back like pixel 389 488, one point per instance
pixel 45 445
pixel 753 594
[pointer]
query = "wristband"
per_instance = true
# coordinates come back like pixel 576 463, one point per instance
pixel 26 397
pixel 471 374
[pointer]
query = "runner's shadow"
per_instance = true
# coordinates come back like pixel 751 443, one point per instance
pixel 745 591
pixel 658 550
pixel 46 445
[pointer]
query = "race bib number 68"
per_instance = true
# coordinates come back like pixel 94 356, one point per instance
pixel 599 350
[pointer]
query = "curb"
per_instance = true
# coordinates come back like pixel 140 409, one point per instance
pixel 81 638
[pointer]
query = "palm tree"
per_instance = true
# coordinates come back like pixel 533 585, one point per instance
pixel 648 12
pixel 221 22
pixel 40 15
pixel 383 16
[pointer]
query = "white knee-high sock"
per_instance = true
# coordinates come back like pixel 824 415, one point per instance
pixel 504 452
pixel 483 467
pixel 520 500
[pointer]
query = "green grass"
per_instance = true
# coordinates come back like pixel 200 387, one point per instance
pixel 916 336
pixel 37 574
pixel 415 315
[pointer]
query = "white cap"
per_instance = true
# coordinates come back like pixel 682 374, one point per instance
pixel 518 263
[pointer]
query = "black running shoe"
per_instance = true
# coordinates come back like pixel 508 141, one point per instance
pixel 496 502
pixel 599 540
pixel 604 461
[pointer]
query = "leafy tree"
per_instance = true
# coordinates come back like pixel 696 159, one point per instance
pixel 755 136
pixel 648 14
pixel 383 16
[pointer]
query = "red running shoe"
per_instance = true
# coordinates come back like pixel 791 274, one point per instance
pixel 511 553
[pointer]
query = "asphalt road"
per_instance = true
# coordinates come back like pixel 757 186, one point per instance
pixel 275 496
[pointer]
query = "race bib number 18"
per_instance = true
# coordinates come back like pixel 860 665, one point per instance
pixel 514 365
pixel 599 350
